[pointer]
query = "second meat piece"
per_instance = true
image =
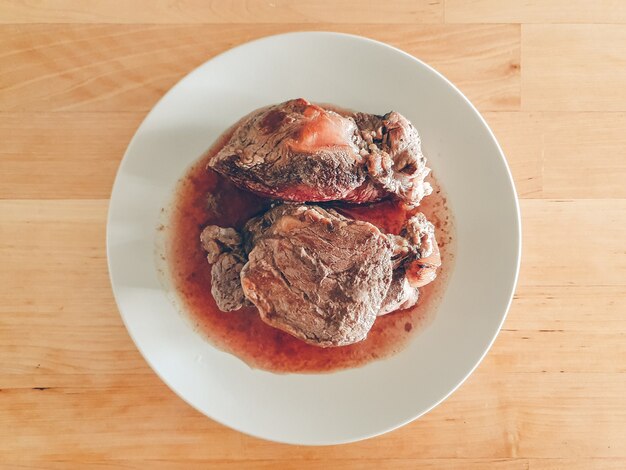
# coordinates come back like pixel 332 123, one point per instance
pixel 320 276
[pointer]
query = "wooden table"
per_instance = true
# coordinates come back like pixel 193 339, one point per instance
pixel 77 78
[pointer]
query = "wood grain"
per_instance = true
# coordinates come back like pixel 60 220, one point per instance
pixel 427 464
pixel 49 368
pixel 62 155
pixel 77 78
pixel 517 134
pixel 564 154
pixel 215 11
pixel 574 242
pixel 128 68
pixel 535 11
pixel 571 309
pixel 502 415
pixel 574 67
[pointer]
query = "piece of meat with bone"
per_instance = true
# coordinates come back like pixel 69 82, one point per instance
pixel 298 151
pixel 318 275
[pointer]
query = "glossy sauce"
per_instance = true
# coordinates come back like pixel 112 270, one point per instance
pixel 204 197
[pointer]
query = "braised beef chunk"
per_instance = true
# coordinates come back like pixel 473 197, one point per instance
pixel 401 293
pixel 217 241
pixel 424 259
pixel 319 275
pixel 301 152
pixel 311 271
pixel 226 256
pixel 226 283
pixel 415 260
pixel 394 160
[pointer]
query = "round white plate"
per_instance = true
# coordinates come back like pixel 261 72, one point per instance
pixel 356 73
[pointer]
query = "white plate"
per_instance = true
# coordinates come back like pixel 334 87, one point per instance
pixel 356 73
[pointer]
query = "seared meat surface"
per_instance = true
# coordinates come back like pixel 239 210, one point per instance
pixel 301 152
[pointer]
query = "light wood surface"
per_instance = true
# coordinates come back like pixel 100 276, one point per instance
pixel 76 79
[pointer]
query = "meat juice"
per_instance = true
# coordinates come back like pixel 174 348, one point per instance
pixel 204 197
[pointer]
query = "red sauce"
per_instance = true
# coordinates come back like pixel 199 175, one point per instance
pixel 203 197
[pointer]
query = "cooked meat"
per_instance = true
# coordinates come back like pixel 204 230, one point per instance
pixel 401 293
pixel 226 283
pixel 318 275
pixel 416 260
pixel 298 151
pixel 394 159
pixel 224 253
pixel 424 260
pixel 217 241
